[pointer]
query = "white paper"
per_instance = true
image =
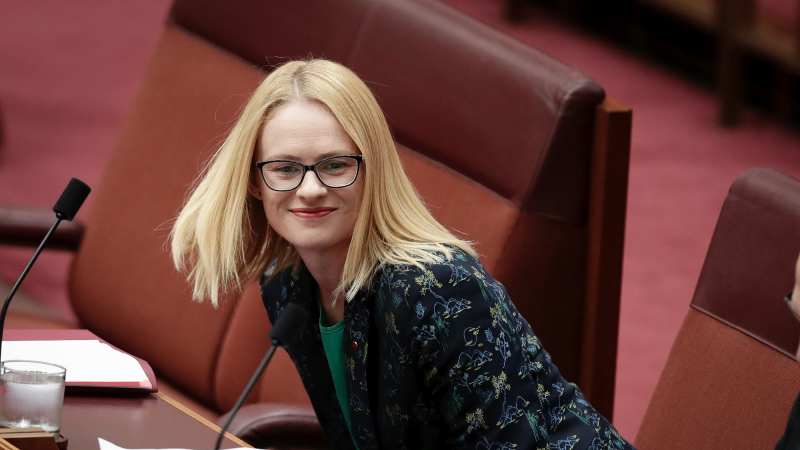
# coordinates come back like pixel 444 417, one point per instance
pixel 106 445
pixel 85 360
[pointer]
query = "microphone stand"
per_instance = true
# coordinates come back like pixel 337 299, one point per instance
pixel 250 384
pixel 21 278
pixel 65 208
pixel 292 319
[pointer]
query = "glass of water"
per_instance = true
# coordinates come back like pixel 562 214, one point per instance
pixel 31 394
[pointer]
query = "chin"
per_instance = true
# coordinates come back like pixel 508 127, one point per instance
pixel 317 243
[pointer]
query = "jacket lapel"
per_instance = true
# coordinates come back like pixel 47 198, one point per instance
pixel 356 346
pixel 306 350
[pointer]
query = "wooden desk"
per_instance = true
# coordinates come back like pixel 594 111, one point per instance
pixel 150 421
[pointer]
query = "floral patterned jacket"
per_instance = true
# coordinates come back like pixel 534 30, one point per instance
pixel 438 358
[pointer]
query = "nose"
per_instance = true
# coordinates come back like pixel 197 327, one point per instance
pixel 311 187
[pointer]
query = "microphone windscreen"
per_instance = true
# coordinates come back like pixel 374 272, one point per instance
pixel 292 319
pixel 71 199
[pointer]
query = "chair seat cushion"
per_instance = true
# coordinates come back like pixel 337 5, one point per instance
pixel 30 320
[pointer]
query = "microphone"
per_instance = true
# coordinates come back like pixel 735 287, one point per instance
pixel 65 208
pixel 292 318
pixel 71 199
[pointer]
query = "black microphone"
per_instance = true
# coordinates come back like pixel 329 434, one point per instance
pixel 292 318
pixel 65 208
pixel 71 199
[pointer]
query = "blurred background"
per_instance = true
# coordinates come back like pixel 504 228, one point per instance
pixel 714 86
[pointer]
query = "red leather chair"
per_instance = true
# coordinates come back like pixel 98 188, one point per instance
pixel 507 146
pixel 731 377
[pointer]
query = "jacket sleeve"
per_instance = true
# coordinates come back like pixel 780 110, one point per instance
pixel 486 372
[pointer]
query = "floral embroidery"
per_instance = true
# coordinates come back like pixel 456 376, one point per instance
pixel 453 365
pixel 475 420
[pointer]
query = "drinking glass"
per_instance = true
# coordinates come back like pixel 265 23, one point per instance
pixel 31 394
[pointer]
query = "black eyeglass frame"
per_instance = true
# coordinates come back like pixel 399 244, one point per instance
pixel 313 168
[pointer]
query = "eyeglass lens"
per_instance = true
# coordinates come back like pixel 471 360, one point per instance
pixel 339 171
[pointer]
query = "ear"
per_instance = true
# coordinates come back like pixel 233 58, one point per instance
pixel 253 188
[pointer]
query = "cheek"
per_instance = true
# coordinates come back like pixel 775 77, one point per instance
pixel 354 201
pixel 358 193
pixel 272 202
pixel 359 200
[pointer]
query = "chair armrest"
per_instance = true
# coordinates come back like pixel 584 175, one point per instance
pixel 274 425
pixel 26 227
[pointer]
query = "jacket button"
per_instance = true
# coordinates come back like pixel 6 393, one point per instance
pixel 354 346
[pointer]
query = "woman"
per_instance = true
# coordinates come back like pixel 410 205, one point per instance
pixel 411 343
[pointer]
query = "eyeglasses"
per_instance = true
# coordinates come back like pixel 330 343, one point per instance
pixel 333 172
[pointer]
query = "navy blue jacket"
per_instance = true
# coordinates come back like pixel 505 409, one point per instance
pixel 791 437
pixel 438 357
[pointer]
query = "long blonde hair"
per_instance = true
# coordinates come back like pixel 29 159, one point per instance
pixel 221 236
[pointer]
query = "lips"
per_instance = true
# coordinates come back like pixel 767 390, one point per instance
pixel 311 213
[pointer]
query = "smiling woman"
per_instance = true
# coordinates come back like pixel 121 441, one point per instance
pixel 304 111
pixel 311 197
pixel 308 192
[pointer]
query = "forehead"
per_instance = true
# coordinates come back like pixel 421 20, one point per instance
pixel 303 130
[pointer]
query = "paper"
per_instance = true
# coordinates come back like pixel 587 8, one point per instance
pixel 105 445
pixel 86 361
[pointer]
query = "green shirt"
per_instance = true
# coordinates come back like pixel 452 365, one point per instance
pixel 333 344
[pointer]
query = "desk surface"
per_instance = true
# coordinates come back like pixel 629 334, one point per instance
pixel 148 421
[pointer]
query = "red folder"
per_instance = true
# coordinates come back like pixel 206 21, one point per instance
pixel 64 335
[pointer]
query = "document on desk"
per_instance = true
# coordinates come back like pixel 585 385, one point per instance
pixel 105 445
pixel 88 362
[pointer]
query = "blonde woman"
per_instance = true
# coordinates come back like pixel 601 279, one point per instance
pixel 308 192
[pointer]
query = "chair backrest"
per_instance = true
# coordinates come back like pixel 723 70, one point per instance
pixel 731 377
pixel 497 137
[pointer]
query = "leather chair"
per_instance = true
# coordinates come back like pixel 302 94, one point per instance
pixel 507 146
pixel 747 34
pixel 731 377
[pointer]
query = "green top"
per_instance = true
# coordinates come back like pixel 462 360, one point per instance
pixel 333 344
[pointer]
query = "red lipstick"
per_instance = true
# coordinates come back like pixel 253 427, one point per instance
pixel 311 213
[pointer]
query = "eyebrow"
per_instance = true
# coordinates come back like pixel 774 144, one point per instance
pixel 289 157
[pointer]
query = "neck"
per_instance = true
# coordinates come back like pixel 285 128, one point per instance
pixel 326 268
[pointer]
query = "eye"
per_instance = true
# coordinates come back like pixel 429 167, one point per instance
pixel 332 165
pixel 283 168
pixel 336 165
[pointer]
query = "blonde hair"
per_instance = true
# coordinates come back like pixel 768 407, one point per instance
pixel 221 236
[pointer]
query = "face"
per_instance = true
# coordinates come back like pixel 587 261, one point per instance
pixel 314 218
